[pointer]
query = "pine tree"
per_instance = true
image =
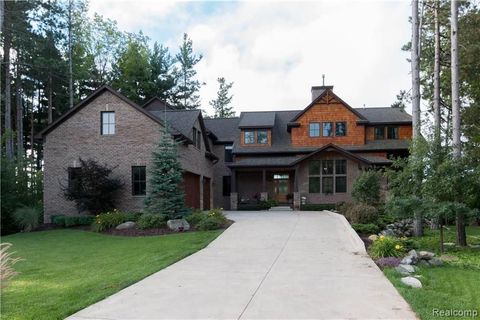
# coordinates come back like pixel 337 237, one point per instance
pixel 162 81
pixel 165 195
pixel 220 104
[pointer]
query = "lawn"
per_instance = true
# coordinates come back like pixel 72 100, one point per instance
pixel 64 271
pixel 455 285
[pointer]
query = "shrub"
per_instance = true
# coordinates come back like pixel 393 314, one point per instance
pixel 361 213
pixel 27 218
pixel 267 204
pixel 386 247
pixel 92 189
pixel 317 207
pixel 366 188
pixel 368 228
pixel 213 219
pixel 150 220
pixel 109 220
pixel 71 221
pixel 388 262
pixel 194 218
pixel 6 264
pixel 58 219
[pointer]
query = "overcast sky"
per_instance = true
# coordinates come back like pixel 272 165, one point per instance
pixel 275 51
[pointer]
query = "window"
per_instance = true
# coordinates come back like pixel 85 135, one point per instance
pixel 280 176
pixel 199 139
pixel 340 129
pixel 108 122
pixel 327 129
pixel 379 133
pixel 392 132
pixel 249 137
pixel 194 136
pixel 227 185
pixel 314 129
pixel 327 176
pixel 262 137
pixel 139 180
pixel 228 153
pixel 73 176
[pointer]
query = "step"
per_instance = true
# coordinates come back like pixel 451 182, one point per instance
pixel 280 208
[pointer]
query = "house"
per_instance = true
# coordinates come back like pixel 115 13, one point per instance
pixel 310 155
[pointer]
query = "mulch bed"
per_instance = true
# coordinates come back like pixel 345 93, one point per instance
pixel 140 232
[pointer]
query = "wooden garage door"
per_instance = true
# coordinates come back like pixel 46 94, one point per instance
pixel 191 187
pixel 206 193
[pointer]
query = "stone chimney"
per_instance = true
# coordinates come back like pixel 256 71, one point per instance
pixel 318 90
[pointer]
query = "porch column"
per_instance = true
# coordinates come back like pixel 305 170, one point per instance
pixel 296 194
pixel 264 193
pixel 233 191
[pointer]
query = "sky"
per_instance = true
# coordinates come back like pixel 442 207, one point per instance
pixel 274 52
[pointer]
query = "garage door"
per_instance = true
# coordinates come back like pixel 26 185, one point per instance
pixel 191 187
pixel 206 193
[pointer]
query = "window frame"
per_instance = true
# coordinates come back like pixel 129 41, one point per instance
pixel 139 181
pixel 344 126
pixel 266 136
pixel 228 153
pixel 321 176
pixel 310 129
pixel 331 129
pixel 245 136
pixel 396 130
pixel 108 124
pixel 375 136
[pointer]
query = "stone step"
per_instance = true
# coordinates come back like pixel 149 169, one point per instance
pixel 280 208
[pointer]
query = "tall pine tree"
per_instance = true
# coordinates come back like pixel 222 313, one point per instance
pixel 165 195
pixel 162 81
pixel 221 103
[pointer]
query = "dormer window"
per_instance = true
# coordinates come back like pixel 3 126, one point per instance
pixel 262 137
pixel 249 137
pixel 108 123
pixel 314 129
pixel 327 129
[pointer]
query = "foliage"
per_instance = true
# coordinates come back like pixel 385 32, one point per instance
pixel 405 206
pixel 365 228
pixel 93 190
pixel 197 216
pixel 109 220
pixel 211 220
pixel 165 194
pixel 221 103
pixel 386 247
pixel 67 270
pixel 267 204
pixel 6 264
pixel 317 207
pixel 389 262
pixel 27 218
pixel 162 77
pixel 150 220
pixel 366 188
pixel 361 213
pixel 70 221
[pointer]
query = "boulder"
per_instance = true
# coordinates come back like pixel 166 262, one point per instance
pixel 178 225
pixel 424 263
pixel 407 260
pixel 126 225
pixel 373 237
pixel 412 253
pixel 411 282
pixel 387 233
pixel 426 255
pixel 405 269
pixel 435 262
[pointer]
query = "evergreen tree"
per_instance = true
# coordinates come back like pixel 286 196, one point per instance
pixel 165 195
pixel 162 78
pixel 186 95
pixel 220 104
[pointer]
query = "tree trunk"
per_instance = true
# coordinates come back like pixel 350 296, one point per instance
pixel 50 104
pixel 70 62
pixel 18 90
pixel 460 218
pixel 8 94
pixel 436 79
pixel 415 71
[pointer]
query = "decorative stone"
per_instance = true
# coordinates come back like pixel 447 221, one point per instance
pixel 178 225
pixel 387 233
pixel 435 262
pixel 424 263
pixel 411 282
pixel 412 253
pixel 426 255
pixel 373 237
pixel 126 225
pixel 405 269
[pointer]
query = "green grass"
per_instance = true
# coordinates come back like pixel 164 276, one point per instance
pixel 455 285
pixel 64 271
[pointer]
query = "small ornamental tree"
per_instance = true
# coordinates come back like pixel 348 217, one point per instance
pixel 165 194
pixel 91 187
pixel 366 188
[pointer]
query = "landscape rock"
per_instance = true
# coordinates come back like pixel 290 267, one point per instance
pixel 435 262
pixel 405 269
pixel 178 225
pixel 424 263
pixel 403 228
pixel 407 260
pixel 126 225
pixel 387 233
pixel 411 282
pixel 373 237
pixel 426 255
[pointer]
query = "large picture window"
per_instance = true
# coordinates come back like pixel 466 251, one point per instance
pixel 108 123
pixel 327 176
pixel 328 129
pixel 314 129
pixel 139 180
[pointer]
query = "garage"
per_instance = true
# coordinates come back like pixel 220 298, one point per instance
pixel 191 187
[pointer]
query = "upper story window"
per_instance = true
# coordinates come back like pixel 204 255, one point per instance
pixel 139 180
pixel 392 132
pixel 314 129
pixel 249 137
pixel 108 122
pixel 197 138
pixel 327 129
pixel 228 153
pixel 341 129
pixel 262 137
pixel 379 133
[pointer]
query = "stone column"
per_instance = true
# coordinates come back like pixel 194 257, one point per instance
pixel 296 200
pixel 233 201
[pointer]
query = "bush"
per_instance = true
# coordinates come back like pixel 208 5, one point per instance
pixel 197 216
pixel 70 221
pixel 366 188
pixel 109 220
pixel 267 204
pixel 151 220
pixel 386 247
pixel 27 218
pixel 361 213
pixel 212 220
pixel 58 219
pixel 368 228
pixel 317 207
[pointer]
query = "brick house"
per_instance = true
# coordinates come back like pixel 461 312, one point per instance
pixel 312 154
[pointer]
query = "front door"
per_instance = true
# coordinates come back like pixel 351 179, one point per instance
pixel 281 187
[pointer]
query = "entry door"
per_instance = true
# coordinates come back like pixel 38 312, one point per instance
pixel 281 186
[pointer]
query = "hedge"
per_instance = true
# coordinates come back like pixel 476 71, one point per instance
pixel 317 207
pixel 70 221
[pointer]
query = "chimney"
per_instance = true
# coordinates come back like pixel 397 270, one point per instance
pixel 318 90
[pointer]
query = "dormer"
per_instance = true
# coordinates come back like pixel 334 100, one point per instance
pixel 256 128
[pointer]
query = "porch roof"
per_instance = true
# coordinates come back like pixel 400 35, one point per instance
pixel 264 162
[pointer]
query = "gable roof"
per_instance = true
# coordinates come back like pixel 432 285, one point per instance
pixel 385 115
pixel 328 147
pixel 259 119
pixel 86 101
pixel 320 96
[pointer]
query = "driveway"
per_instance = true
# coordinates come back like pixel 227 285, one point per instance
pixel 267 265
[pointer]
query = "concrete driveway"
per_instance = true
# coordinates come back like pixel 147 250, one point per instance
pixel 268 265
